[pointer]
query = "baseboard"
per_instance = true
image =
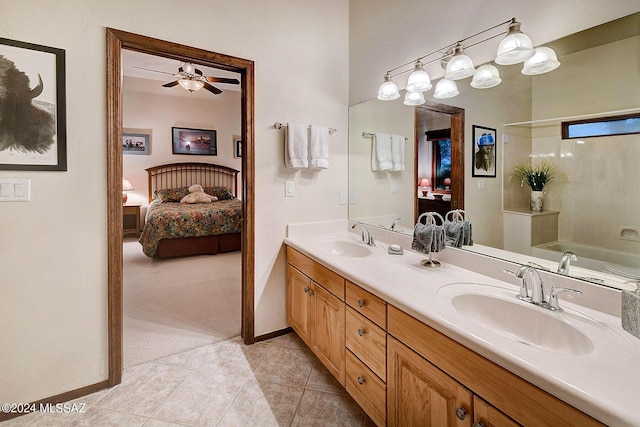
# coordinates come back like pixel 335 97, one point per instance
pixel 273 334
pixel 60 398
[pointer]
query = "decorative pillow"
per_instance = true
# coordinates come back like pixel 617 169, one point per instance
pixel 197 195
pixel 222 193
pixel 170 194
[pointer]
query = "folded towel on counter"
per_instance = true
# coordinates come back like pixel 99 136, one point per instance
pixel 467 238
pixel 453 233
pixel 397 152
pixel 319 147
pixel 422 238
pixel 381 157
pixel 296 146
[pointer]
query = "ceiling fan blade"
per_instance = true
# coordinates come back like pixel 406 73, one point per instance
pixel 223 80
pixel 149 69
pixel 212 89
pixel 170 84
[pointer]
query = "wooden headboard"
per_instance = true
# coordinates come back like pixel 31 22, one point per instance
pixel 176 175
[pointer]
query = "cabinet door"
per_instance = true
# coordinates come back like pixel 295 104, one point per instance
pixel 419 394
pixel 485 415
pixel 299 303
pixel 328 321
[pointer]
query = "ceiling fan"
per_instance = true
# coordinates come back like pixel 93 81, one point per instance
pixel 192 79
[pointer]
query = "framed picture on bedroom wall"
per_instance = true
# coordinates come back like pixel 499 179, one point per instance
pixel 194 141
pixel 136 141
pixel 237 146
pixel 484 152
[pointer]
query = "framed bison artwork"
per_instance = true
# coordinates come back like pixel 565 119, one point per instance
pixel 32 107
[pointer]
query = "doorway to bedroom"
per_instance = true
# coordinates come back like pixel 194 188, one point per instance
pixel 177 303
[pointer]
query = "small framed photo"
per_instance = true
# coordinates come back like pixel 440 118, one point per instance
pixel 237 146
pixel 32 106
pixel 136 142
pixel 194 141
pixel 484 151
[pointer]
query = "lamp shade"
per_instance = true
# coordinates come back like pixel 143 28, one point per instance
pixel 447 181
pixel 543 61
pixel 413 98
pixel 191 85
pixel 459 66
pixel 419 80
pixel 445 88
pixel 126 185
pixel 515 47
pixel 486 76
pixel 388 90
pixel 424 182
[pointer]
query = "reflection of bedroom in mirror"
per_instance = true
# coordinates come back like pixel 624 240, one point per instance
pixel 182 264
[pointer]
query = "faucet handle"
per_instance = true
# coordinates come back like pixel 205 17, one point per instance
pixel 553 297
pixel 524 292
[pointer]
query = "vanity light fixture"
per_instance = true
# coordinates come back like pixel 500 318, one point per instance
pixel 460 66
pixel 543 61
pixel 445 88
pixel 516 47
pixel 419 80
pixel 485 77
pixel 388 89
pixel 414 98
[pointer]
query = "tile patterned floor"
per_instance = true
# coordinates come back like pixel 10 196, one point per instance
pixel 273 383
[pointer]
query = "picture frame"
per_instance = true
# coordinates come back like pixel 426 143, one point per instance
pixel 36 80
pixel 136 141
pixel 237 146
pixel 484 152
pixel 201 142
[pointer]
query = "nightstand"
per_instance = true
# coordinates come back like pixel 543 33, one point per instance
pixel 131 219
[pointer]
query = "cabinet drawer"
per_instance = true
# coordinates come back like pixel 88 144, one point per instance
pixel 366 389
pixel 331 281
pixel 367 341
pixel 367 304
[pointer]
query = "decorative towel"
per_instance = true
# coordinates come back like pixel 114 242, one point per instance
pixel 319 147
pixel 381 158
pixel 467 238
pixel 438 238
pixel 296 146
pixel 422 238
pixel 453 233
pixel 397 152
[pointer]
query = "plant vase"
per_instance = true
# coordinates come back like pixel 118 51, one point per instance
pixel 536 201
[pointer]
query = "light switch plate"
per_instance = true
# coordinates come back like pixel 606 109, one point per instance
pixel 342 197
pixel 289 189
pixel 14 190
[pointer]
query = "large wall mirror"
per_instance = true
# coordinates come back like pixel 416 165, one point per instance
pixel 593 213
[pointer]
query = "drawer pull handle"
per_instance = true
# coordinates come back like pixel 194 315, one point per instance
pixel 361 303
pixel 361 332
pixel 310 293
pixel 477 425
pixel 360 380
pixel 461 413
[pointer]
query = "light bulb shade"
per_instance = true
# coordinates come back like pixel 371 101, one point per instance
pixel 413 98
pixel 447 181
pixel 419 80
pixel 543 61
pixel 388 90
pixel 445 88
pixel 126 185
pixel 486 76
pixel 424 182
pixel 515 47
pixel 460 66
pixel 191 85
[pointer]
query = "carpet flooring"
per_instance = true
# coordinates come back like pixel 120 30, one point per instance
pixel 175 305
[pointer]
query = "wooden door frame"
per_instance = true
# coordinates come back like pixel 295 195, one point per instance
pixel 118 40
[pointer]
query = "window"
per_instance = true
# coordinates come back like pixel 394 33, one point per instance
pixel 602 126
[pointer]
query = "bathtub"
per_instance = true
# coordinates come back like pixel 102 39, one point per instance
pixel 591 257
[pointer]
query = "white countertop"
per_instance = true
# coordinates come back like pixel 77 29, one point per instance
pixel 603 383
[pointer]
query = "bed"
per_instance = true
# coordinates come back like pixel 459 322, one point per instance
pixel 174 229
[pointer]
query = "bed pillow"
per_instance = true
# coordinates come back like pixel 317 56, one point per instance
pixel 171 194
pixel 222 193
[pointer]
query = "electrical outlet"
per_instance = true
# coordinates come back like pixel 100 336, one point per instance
pixel 289 189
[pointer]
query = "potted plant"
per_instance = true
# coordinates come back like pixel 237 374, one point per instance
pixel 537 177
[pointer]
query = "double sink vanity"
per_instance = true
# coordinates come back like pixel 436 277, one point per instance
pixel 450 346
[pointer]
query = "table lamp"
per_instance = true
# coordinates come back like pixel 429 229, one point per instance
pixel 425 184
pixel 126 186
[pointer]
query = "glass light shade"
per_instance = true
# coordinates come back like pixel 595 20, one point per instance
pixel 445 88
pixel 459 66
pixel 191 85
pixel 419 80
pixel 388 90
pixel 413 98
pixel 486 76
pixel 515 47
pixel 543 61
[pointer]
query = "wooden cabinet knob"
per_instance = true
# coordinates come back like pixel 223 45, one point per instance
pixel 477 425
pixel 461 413
pixel 361 332
pixel 360 380
pixel 361 303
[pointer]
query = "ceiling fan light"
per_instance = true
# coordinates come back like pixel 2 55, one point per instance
pixel 445 88
pixel 413 98
pixel 486 76
pixel 460 66
pixel 515 47
pixel 388 90
pixel 191 85
pixel 543 61
pixel 419 80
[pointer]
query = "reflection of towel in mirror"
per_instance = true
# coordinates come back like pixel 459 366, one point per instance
pixel 422 238
pixel 397 152
pixel 467 238
pixel 453 233
pixel 381 158
pixel 438 238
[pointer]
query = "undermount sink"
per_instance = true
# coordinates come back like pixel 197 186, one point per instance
pixel 519 321
pixel 345 247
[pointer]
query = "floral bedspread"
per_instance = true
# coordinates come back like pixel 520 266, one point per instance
pixel 170 220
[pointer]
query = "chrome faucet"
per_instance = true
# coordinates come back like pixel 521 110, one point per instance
pixel 367 237
pixel 395 222
pixel 565 262
pixel 532 290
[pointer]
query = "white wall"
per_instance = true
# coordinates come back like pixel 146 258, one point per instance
pixel 53 255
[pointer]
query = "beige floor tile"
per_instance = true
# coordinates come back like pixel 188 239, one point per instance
pixel 233 357
pixel 327 409
pixel 156 423
pixel 107 418
pixel 284 365
pixel 41 419
pixel 321 379
pixel 289 340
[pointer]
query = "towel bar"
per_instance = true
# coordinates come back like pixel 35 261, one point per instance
pixel 371 135
pixel 279 125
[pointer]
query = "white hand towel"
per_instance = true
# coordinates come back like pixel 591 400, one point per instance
pixel 319 147
pixel 381 152
pixel 397 152
pixel 296 146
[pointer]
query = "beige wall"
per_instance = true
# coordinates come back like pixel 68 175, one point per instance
pixel 53 255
